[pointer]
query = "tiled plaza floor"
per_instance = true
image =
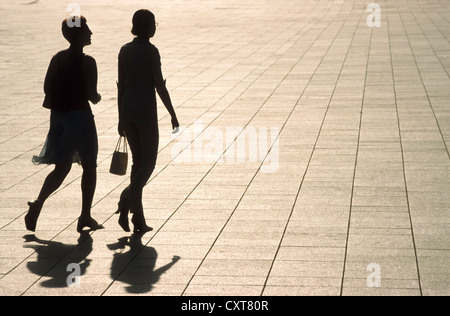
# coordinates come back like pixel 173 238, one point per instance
pixel 313 157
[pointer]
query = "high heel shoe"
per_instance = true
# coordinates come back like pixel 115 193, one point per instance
pixel 88 222
pixel 123 218
pixel 139 225
pixel 33 214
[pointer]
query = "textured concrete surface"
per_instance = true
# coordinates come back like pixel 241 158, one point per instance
pixel 313 157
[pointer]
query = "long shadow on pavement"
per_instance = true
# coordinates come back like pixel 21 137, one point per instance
pixel 139 274
pixel 53 261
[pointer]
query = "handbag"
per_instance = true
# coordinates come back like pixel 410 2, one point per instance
pixel 119 160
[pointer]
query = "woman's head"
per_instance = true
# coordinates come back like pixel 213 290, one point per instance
pixel 76 31
pixel 144 24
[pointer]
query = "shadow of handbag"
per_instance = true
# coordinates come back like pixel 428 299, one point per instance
pixel 119 160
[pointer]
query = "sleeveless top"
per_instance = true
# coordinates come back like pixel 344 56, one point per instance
pixel 69 82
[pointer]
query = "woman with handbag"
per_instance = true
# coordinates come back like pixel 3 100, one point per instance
pixel 139 75
pixel 70 83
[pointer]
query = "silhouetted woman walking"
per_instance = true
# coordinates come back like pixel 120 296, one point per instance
pixel 70 83
pixel 139 74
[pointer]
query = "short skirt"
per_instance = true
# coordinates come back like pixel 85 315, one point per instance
pixel 72 137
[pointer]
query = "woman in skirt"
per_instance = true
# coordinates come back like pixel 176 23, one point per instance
pixel 70 83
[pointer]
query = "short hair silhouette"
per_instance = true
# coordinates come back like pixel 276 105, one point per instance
pixel 72 27
pixel 144 23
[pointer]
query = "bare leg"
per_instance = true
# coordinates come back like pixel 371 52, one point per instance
pixel 52 182
pixel 88 184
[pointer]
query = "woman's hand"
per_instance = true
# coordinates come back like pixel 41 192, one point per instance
pixel 97 99
pixel 120 128
pixel 175 123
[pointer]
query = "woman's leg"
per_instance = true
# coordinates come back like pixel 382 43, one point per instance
pixel 86 143
pixel 149 139
pixel 52 182
pixel 143 142
pixel 145 161
pixel 88 184
pixel 126 200
pixel 136 152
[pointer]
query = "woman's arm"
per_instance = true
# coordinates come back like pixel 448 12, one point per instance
pixel 160 85
pixel 91 81
pixel 120 89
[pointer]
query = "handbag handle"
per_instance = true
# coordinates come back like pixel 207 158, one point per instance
pixel 124 145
